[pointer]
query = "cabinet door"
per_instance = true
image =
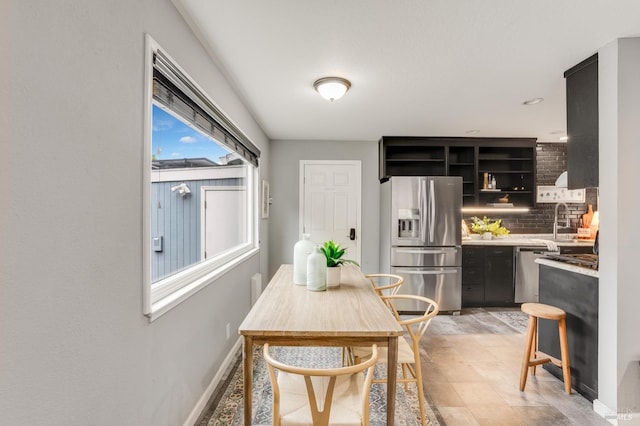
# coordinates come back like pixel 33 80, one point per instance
pixel 498 277
pixel 582 124
pixel 472 276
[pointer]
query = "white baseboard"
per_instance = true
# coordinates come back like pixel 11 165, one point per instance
pixel 605 412
pixel 202 402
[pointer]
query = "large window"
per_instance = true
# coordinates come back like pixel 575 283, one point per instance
pixel 200 190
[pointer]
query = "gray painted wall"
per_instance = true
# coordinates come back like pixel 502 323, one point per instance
pixel 284 187
pixel 76 349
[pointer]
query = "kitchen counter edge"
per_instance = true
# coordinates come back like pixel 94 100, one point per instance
pixel 568 267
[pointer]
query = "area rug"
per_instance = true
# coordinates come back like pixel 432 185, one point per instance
pixel 515 319
pixel 227 409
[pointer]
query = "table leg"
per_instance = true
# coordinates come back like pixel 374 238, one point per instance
pixel 392 368
pixel 247 370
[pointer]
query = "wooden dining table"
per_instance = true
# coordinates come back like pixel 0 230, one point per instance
pixel 351 314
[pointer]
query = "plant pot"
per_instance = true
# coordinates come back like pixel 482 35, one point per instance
pixel 486 236
pixel 333 277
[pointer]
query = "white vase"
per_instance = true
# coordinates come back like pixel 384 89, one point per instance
pixel 317 271
pixel 333 276
pixel 486 236
pixel 301 250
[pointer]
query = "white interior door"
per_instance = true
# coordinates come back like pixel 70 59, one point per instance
pixel 330 203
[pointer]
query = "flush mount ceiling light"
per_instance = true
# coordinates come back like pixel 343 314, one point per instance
pixel 332 88
pixel 533 101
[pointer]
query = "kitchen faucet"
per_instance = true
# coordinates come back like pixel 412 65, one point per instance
pixel 555 220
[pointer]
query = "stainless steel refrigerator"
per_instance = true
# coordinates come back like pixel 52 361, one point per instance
pixel 421 238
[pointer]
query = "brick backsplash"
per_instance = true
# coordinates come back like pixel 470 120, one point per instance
pixel 551 160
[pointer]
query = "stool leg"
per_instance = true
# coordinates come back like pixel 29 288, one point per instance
pixel 532 370
pixel 527 352
pixel 564 354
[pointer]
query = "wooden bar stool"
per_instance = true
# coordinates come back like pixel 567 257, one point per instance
pixel 540 310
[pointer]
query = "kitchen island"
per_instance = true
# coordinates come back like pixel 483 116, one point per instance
pixel 575 290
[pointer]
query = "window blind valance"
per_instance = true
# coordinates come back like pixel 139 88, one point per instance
pixel 174 90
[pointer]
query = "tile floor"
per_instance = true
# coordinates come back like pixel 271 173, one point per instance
pixel 471 367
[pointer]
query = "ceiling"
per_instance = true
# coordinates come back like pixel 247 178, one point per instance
pixel 417 67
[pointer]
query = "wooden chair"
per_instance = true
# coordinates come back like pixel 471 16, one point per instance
pixel 409 346
pixel 383 288
pixel 383 284
pixel 314 396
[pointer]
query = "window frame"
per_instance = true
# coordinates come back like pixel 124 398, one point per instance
pixel 163 295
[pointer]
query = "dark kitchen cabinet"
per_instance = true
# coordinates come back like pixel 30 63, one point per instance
pixel 411 156
pixel 513 167
pixel 487 276
pixel 510 160
pixel 472 276
pixel 498 275
pixel 582 123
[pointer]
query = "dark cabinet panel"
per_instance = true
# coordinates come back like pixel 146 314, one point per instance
pixel 487 276
pixel 499 282
pixel 582 123
pixel 577 295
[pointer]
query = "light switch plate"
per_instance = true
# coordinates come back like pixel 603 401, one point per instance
pixel 555 194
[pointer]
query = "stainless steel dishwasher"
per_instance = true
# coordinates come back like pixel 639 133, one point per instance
pixel 527 273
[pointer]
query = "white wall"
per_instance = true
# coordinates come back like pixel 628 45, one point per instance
pixel 75 348
pixel 619 152
pixel 285 172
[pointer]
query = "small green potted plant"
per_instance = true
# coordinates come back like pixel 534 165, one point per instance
pixel 488 228
pixel 334 255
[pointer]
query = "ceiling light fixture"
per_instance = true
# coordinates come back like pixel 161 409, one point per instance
pixel 533 101
pixel 331 88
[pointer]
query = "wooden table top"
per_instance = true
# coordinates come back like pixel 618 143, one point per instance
pixel 288 310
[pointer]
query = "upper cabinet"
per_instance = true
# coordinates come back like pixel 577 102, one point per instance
pixel 510 160
pixel 582 124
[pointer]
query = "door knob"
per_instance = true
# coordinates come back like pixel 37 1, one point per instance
pixel 352 234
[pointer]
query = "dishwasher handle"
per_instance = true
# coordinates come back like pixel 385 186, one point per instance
pixel 536 250
pixel 427 272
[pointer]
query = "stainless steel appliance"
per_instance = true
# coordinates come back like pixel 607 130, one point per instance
pixel 527 273
pixel 421 238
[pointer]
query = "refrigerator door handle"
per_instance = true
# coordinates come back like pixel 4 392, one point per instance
pixel 426 272
pixel 432 210
pixel 427 251
pixel 422 203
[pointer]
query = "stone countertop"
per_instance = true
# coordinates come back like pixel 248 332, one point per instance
pixel 529 240
pixel 568 267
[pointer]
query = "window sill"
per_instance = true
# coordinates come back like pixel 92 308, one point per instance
pixel 173 299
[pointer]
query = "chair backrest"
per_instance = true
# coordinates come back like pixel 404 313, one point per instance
pixel 386 284
pixel 415 326
pixel 322 416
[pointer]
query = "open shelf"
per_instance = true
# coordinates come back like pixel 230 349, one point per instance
pixel 510 160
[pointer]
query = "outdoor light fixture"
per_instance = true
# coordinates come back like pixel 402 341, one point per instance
pixel 332 88
pixel 182 189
